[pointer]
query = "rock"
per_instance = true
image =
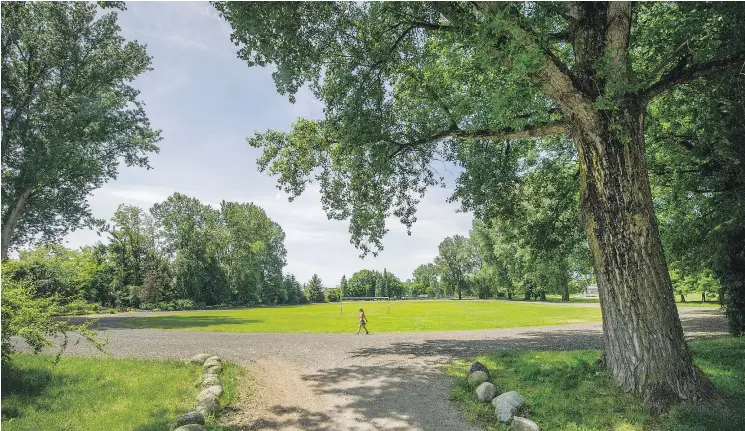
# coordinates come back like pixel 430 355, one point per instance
pixel 477 377
pixel 214 370
pixel 507 404
pixel 208 380
pixel 478 366
pixel 190 427
pixel 215 359
pixel 208 404
pixel 190 418
pixel 486 392
pixel 216 389
pixel 200 358
pixel 523 424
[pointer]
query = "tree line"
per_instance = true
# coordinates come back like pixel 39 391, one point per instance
pixel 179 254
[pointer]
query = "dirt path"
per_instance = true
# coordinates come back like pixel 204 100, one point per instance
pixel 345 382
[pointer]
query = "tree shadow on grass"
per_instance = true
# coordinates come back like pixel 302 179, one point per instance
pixel 29 389
pixel 165 322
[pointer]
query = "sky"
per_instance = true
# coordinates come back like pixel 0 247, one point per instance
pixel 206 102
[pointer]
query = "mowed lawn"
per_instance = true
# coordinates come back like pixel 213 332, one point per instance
pixel 81 394
pixel 404 316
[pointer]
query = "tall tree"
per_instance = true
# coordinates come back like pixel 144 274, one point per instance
pixel 402 82
pixel 314 289
pixel 456 263
pixel 69 115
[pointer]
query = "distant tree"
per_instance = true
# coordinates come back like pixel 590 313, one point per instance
pixel 343 286
pixel 294 290
pixel 314 290
pixel 363 283
pixel 426 276
pixel 456 262
pixel 333 295
pixel 69 115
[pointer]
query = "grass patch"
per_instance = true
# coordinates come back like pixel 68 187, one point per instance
pixel 91 394
pixel 564 391
pixel 405 316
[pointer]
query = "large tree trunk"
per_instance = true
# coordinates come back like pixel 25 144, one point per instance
pixel 644 344
pixel 10 221
pixel 645 349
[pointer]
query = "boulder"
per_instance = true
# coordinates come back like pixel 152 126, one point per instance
pixel 216 389
pixel 200 358
pixel 214 370
pixel 190 427
pixel 486 392
pixel 208 380
pixel 507 404
pixel 208 404
pixel 523 424
pixel 190 418
pixel 478 366
pixel 477 377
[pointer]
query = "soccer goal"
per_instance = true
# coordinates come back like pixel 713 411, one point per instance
pixel 363 298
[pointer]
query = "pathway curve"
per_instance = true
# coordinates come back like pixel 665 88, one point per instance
pixel 390 381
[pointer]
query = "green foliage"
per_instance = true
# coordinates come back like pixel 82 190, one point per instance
pixel 31 317
pixel 69 115
pixel 333 295
pixel 456 263
pixel 55 271
pixel 697 164
pixel 565 391
pixel 370 283
pixel 314 290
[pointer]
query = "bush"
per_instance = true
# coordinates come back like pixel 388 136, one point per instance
pixel 173 305
pixel 34 319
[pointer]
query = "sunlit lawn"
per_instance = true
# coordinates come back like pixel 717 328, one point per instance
pixel 565 391
pixel 92 394
pixel 404 316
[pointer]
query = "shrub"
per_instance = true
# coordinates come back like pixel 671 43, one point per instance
pixel 34 319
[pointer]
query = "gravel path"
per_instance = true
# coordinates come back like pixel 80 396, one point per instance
pixel 390 381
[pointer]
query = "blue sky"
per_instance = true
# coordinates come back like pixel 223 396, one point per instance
pixel 207 101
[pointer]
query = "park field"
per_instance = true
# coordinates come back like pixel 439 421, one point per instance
pixel 404 316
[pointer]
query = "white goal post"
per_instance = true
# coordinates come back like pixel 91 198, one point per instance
pixel 363 298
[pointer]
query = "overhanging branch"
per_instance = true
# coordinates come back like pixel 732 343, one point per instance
pixel 682 74
pixel 537 131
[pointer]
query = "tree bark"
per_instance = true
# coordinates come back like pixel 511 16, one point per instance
pixel 644 342
pixel 10 221
pixel 645 349
pixel 565 294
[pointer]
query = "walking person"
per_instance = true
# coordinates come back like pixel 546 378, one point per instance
pixel 363 323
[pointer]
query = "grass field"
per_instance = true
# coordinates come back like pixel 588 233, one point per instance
pixel 565 392
pixel 92 394
pixel 405 316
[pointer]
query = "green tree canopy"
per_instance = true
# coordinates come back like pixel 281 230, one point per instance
pixel 69 115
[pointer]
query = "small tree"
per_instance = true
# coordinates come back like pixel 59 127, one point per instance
pixel 314 290
pixel 343 286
